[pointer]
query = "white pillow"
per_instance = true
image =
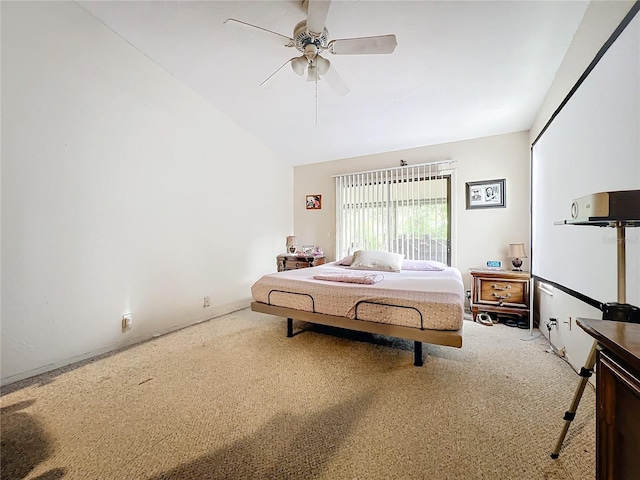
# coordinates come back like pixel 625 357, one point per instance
pixel 374 260
pixel 346 261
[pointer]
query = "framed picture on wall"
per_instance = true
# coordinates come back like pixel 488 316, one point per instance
pixel 314 202
pixel 486 194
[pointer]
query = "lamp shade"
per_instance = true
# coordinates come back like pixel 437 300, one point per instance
pixel 516 250
pixel 312 74
pixel 299 64
pixel 322 64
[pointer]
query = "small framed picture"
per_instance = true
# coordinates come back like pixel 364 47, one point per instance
pixel 314 202
pixel 486 194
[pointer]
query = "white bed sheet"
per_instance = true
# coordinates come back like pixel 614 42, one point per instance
pixel 423 299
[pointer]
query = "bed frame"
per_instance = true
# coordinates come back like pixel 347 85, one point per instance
pixel 451 338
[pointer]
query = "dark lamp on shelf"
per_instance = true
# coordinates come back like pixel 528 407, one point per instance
pixel 292 244
pixel 517 253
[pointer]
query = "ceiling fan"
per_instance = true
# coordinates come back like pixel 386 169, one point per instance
pixel 311 38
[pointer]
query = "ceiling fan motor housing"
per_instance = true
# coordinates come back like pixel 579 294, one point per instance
pixel 302 37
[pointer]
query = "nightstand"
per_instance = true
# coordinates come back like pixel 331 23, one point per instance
pixel 499 291
pixel 291 262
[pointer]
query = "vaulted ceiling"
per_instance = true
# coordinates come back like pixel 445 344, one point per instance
pixel 461 69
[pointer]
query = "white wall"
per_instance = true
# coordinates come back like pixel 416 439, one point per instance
pixel 601 18
pixel 566 336
pixel 599 22
pixel 122 191
pixel 478 235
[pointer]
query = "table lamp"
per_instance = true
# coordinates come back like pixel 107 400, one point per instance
pixel 292 244
pixel 517 253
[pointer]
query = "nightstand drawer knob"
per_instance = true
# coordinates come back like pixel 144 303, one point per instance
pixel 501 297
pixel 496 287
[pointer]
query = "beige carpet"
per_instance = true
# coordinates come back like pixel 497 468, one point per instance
pixel 233 398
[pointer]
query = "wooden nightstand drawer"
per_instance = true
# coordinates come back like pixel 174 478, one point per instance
pixel 494 291
pixel 292 262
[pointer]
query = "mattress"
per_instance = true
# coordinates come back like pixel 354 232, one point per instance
pixel 431 300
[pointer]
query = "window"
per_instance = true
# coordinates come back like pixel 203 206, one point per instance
pixel 402 210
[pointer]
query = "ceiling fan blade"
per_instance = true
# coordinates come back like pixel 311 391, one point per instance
pixel 275 37
pixel 363 45
pixel 280 68
pixel 317 15
pixel 335 81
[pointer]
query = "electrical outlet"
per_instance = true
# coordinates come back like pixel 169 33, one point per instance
pixel 127 322
pixel 569 323
pixel 207 302
pixel 550 324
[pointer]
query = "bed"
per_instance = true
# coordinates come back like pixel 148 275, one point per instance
pixel 423 305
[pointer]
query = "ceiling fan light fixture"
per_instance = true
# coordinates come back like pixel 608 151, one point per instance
pixel 313 75
pixel 298 64
pixel 310 51
pixel 322 64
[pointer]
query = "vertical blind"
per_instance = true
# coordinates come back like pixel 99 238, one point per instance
pixel 403 210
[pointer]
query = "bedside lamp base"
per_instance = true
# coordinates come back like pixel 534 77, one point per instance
pixel 517 264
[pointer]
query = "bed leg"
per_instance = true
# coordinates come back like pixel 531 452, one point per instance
pixel 417 354
pixel 289 327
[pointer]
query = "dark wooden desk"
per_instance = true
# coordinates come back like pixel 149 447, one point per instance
pixel 617 398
